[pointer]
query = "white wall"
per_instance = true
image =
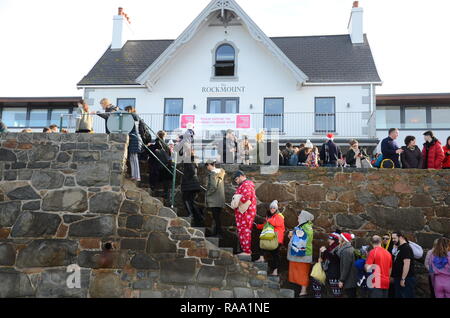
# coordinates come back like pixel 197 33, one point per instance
pixel 258 71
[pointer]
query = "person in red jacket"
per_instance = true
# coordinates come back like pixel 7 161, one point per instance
pixel 244 221
pixel 446 148
pixel 276 219
pixel 432 152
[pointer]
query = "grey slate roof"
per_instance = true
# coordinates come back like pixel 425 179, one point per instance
pixel 329 58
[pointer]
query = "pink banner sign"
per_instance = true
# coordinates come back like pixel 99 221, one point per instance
pixel 216 121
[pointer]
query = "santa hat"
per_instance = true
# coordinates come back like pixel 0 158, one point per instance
pixel 330 136
pixel 334 236
pixel 347 236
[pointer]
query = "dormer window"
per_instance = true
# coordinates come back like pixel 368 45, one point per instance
pixel 225 60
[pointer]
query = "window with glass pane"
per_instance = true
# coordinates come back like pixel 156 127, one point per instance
pixel 14 117
pixel 440 117
pixel 415 117
pixel 38 118
pixel 273 114
pixel 388 117
pixel 124 102
pixel 325 115
pixel 226 105
pixel 172 110
pixel 225 60
pixel 55 118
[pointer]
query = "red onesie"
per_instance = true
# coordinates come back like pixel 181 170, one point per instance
pixel 244 222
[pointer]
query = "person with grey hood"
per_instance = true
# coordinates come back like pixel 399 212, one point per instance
pixel 300 251
pixel 349 273
pixel 215 194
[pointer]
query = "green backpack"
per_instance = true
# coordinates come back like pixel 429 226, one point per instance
pixel 268 232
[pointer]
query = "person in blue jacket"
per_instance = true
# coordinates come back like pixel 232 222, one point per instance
pixel 390 149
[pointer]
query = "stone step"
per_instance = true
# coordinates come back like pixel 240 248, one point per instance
pixel 287 293
pixel 213 240
pixel 262 266
pixel 201 229
pixel 187 219
pixel 244 258
pixel 227 249
pixel 275 279
pixel 263 273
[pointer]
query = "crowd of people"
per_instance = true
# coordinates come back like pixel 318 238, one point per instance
pixel 384 269
pixel 432 156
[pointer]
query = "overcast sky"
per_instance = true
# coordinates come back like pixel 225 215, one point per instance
pixel 47 46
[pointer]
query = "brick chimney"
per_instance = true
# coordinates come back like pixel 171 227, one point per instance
pixel 355 25
pixel 121 30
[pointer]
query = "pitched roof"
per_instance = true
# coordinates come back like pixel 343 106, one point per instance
pixel 324 59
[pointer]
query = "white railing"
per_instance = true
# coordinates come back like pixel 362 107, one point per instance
pixel 292 125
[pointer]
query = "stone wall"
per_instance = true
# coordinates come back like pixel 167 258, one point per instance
pixel 65 204
pixel 364 202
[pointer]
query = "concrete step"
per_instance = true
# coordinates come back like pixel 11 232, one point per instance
pixel 213 240
pixel 262 266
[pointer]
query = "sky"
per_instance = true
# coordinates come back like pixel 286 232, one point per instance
pixel 47 46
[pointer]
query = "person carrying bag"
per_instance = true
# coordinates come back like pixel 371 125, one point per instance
pixel 272 235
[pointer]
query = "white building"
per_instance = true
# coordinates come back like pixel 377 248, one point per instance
pixel 224 63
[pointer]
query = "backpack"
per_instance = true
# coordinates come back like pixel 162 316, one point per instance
pixel 298 245
pixel 387 164
pixel 293 160
pixel 417 250
pixel 144 132
pixel 377 163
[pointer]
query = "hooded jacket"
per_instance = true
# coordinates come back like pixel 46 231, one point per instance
pixel 349 273
pixel 433 155
pixel 305 222
pixel 446 162
pixel 277 221
pixel 215 191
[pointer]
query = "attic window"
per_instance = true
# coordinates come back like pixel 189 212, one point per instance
pixel 225 60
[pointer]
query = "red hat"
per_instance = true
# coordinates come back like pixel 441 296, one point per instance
pixel 347 236
pixel 333 236
pixel 330 136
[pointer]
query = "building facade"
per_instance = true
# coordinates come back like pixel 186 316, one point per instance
pixel 19 113
pixel 413 114
pixel 298 87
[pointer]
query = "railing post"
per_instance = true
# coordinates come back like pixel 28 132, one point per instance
pixel 174 177
pixel 61 122
pixel 120 122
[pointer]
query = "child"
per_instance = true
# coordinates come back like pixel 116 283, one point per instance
pixel 276 219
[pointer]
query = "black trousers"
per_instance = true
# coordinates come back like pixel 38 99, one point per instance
pixel 350 292
pixel 218 224
pixel 192 209
pixel 274 263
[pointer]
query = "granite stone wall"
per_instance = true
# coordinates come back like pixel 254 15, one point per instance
pixel 71 225
pixel 363 202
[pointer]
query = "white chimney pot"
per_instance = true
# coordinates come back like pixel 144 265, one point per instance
pixel 355 25
pixel 121 30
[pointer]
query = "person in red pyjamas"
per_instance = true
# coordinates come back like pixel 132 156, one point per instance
pixel 244 221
